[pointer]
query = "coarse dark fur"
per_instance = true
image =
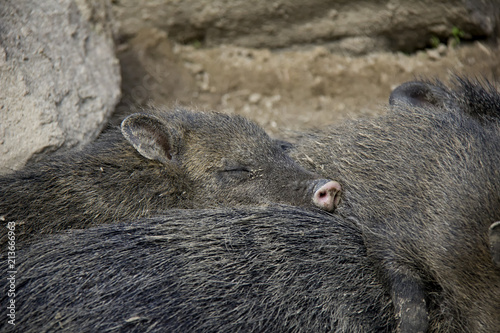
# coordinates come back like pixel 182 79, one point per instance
pixel 160 159
pixel 263 269
pixel 423 182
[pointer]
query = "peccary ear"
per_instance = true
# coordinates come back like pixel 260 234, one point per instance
pixel 150 136
pixel 494 235
pixel 417 93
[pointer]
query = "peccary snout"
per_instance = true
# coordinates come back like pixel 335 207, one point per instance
pixel 327 194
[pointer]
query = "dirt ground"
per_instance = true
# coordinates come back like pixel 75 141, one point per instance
pixel 292 88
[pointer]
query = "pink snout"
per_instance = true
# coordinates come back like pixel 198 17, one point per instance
pixel 327 195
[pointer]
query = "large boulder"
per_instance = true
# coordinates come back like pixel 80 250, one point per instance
pixel 59 77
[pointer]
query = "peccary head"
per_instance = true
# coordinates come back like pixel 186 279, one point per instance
pixel 227 160
pixel 158 161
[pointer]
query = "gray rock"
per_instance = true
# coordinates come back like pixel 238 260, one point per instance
pixel 393 25
pixel 59 77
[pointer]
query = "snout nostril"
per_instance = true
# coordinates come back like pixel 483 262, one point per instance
pixel 327 196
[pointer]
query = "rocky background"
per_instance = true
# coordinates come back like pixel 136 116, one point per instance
pixel 286 64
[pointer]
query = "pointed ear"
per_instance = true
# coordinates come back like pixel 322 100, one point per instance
pixel 150 136
pixel 417 93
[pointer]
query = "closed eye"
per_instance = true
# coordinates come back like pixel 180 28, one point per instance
pixel 236 173
pixel 237 170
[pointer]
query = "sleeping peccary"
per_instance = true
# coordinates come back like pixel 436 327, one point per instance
pixel 423 182
pixel 263 269
pixel 159 160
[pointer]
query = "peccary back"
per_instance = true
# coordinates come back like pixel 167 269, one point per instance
pixel 267 269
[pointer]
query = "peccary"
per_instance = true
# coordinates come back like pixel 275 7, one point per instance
pixel 160 160
pixel 423 182
pixel 252 269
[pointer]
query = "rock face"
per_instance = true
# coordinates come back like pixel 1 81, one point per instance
pixel 60 79
pixel 357 26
